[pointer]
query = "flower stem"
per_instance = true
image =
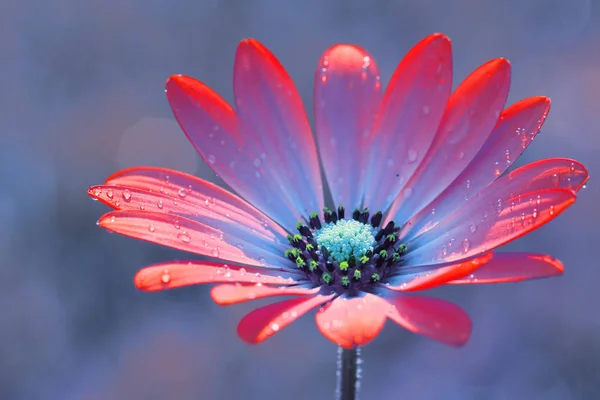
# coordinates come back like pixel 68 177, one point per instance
pixel 348 373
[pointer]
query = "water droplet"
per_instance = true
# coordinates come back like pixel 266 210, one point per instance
pixel 257 162
pixel 151 228
pixel 126 195
pixel 160 204
pixel 551 210
pixel 97 192
pixel 472 228
pixel 584 186
pixel 539 199
pixel 426 110
pixel 184 237
pixel 215 252
pixel 507 156
pixel 412 155
pixel 165 277
pixel 242 271
pixel 112 218
pixel 466 244
pixel 142 207
pixel 461 155
pixel 444 251
pixel 262 261
pixel 468 184
pixel 182 193
pixel 275 327
pixel 535 213
pixel 109 193
pixel 472 278
pixel 176 224
pixel 212 159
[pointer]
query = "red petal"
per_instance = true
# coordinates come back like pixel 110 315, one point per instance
pixel 347 96
pixel 225 295
pixel 441 275
pixel 408 118
pixel 428 316
pixel 355 321
pixel 234 154
pixel 488 226
pixel 200 193
pixel 516 128
pixel 512 267
pixel 271 108
pixel 176 274
pixel 215 214
pixel 184 234
pixel 470 116
pixel 266 321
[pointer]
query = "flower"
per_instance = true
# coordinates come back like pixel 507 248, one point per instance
pixel 417 176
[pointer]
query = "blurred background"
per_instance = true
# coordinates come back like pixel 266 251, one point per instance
pixel 83 96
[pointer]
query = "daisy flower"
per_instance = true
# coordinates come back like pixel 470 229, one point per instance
pixel 418 194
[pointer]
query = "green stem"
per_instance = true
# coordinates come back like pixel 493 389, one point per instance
pixel 348 373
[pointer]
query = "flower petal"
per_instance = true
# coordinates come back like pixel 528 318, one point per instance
pixel 189 206
pixel 199 193
pixel 188 235
pixel 271 108
pixel 213 128
pixel 225 295
pixel 471 114
pixel 436 318
pixel 438 275
pixel 175 274
pixel 516 128
pixel 263 322
pixel 489 226
pixel 513 267
pixel 550 173
pixel 408 119
pixel 347 96
pixel 355 321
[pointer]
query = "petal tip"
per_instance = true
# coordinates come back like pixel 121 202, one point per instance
pixel 346 57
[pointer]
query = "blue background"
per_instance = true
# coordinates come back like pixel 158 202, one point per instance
pixel 83 95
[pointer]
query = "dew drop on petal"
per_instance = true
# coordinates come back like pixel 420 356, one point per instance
pixel 182 193
pixel 184 237
pixel 242 271
pixel 275 327
pixel 165 277
pixel 412 155
pixel 97 192
pixel 176 224
pixel 212 159
pixel 151 228
pixel 112 219
pixel 472 228
pixel 215 252
pixel 109 193
pixel 126 195
pixel 466 245
pixel 160 204
pixel 262 261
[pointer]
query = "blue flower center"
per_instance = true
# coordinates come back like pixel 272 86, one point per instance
pixel 346 238
pixel 346 256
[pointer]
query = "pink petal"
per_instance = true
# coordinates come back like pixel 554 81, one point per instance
pixel 408 119
pixel 355 321
pixel 272 111
pixel 470 116
pixel 513 267
pixel 440 275
pixel 189 206
pixel 199 193
pixel 238 158
pixel 428 316
pixel 175 274
pixel 516 128
pixel 266 321
pixel 347 96
pixel 490 225
pixel 188 235
pixel 225 295
pixel 544 174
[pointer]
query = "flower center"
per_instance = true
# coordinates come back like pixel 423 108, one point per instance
pixel 346 238
pixel 346 255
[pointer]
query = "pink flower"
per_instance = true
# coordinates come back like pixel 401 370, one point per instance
pixel 428 163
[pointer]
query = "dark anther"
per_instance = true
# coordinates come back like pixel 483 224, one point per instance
pixel 356 214
pixel 314 221
pixel 341 212
pixel 352 261
pixel 303 229
pixel 376 219
pixel 328 215
pixel 364 216
pixel 390 239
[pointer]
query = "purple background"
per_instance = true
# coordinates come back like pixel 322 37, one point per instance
pixel 82 96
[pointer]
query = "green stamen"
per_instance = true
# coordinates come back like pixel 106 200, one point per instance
pixel 375 277
pixel 312 265
pixel 345 281
pixel 357 274
pixel 344 266
pixel 326 278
